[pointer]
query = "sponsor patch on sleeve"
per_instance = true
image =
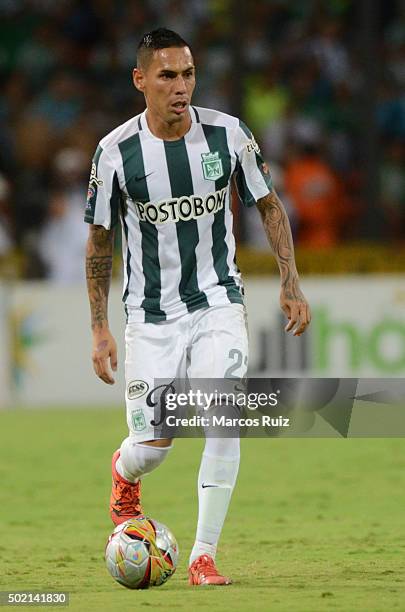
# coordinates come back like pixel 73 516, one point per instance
pixel 94 180
pixel 252 145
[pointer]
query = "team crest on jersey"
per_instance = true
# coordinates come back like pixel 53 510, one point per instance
pixel 212 166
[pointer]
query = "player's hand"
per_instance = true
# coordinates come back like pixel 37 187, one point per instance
pixel 104 355
pixel 296 309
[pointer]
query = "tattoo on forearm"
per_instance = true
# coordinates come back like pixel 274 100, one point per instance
pixel 278 231
pixel 98 267
pixel 98 293
pixel 98 273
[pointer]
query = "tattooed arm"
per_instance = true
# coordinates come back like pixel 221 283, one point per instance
pixel 98 273
pixel 278 231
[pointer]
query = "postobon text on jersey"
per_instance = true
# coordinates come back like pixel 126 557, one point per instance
pixel 183 208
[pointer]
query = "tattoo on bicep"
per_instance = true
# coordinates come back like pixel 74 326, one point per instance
pixel 277 226
pixel 100 242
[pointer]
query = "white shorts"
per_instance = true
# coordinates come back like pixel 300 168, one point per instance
pixel 208 343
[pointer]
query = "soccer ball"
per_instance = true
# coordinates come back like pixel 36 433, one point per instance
pixel 141 553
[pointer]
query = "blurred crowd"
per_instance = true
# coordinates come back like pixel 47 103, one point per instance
pixel 66 66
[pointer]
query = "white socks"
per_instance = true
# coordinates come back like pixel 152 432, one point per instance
pixel 137 459
pixel 216 481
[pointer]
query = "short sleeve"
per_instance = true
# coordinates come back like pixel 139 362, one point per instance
pixel 103 194
pixel 253 180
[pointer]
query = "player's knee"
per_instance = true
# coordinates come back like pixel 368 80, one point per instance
pixel 139 459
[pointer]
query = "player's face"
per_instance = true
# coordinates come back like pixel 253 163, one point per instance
pixel 168 83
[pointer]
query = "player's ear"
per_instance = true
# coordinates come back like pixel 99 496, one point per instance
pixel 138 79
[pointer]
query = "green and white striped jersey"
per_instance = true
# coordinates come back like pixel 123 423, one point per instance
pixel 173 199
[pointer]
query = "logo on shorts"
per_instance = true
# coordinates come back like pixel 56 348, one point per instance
pixel 212 166
pixel 138 420
pixel 137 388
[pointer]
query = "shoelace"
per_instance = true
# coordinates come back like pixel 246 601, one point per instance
pixel 206 564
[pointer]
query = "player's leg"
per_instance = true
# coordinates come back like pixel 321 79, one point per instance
pixel 153 351
pixel 219 350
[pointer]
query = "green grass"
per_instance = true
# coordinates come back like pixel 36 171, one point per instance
pixel 314 524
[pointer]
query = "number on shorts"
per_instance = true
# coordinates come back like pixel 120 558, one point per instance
pixel 237 355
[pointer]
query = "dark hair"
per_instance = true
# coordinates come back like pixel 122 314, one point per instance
pixel 157 39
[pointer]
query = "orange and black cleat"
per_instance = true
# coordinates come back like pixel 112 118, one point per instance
pixel 203 571
pixel 125 502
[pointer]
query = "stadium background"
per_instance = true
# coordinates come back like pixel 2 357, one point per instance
pixel 321 84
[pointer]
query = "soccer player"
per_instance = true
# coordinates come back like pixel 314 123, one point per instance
pixel 166 174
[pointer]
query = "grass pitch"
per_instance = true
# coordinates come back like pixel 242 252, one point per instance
pixel 313 525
